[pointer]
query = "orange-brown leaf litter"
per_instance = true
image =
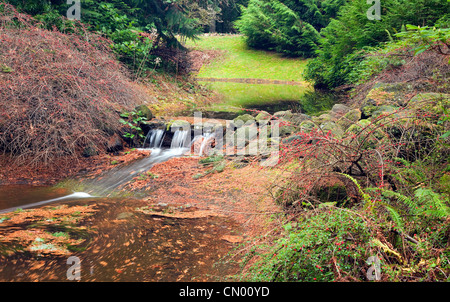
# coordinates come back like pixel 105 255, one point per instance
pixel 189 213
pixel 238 192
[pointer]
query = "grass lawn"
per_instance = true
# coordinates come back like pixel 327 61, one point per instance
pixel 239 61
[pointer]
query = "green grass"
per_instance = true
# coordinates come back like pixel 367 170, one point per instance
pixel 239 61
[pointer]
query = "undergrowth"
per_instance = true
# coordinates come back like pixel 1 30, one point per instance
pixel 393 172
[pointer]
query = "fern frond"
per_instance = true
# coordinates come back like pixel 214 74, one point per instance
pixel 364 195
pixel 396 218
pixel 400 197
pixel 433 202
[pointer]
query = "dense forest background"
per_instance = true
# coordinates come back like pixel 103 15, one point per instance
pixel 336 33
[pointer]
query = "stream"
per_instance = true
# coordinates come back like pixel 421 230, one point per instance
pixel 120 242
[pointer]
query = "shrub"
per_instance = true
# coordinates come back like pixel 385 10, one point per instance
pixel 272 25
pixel 327 245
pixel 351 32
pixel 63 94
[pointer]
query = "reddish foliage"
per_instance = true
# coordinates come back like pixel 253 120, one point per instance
pixel 59 93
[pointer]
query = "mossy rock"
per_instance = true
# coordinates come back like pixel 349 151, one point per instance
pixel 243 119
pixel 332 127
pixel 350 118
pixel 287 130
pixel 326 117
pixel 243 135
pixel 292 139
pixel 371 135
pixel 357 127
pixel 211 127
pixel 308 126
pixel 298 118
pixel 385 109
pixel 339 110
pixel 263 116
pixel 285 115
pixel 432 103
pixel 145 112
pixel 385 94
pixel 178 125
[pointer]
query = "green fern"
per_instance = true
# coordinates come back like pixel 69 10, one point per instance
pixel 432 203
pixel 396 218
pixel 425 201
pixel 400 197
pixel 364 195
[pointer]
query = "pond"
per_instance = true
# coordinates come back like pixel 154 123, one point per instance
pixel 125 244
pixel 236 98
pixel 123 239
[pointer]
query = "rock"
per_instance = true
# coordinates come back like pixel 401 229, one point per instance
pixel 179 125
pixel 245 134
pixel 210 127
pixel 145 112
pixel 286 130
pixel 349 119
pixel 339 110
pixel 326 117
pixel 115 143
pixel 383 109
pixel 385 94
pixel 428 102
pixel 293 139
pixel 243 119
pixel 298 118
pixel 283 115
pixel 307 126
pixel 332 127
pixel 356 128
pixel 263 116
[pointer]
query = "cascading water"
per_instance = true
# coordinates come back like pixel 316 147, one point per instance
pixel 155 138
pixel 180 139
pixel 112 181
pixel 205 139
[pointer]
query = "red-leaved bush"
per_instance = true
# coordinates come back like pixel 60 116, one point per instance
pixel 59 93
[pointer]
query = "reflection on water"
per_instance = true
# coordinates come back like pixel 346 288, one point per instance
pixel 127 245
pixel 20 195
pixel 119 242
pixel 271 98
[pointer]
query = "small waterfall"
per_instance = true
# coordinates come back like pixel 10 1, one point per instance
pixel 155 138
pixel 180 139
pixel 113 180
pixel 205 140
